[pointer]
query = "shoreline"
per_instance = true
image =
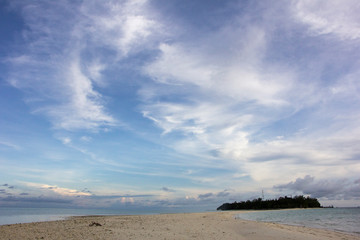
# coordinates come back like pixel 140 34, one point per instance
pixel 207 225
pixel 307 222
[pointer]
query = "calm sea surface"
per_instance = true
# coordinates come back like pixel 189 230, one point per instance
pixel 27 215
pixel 338 219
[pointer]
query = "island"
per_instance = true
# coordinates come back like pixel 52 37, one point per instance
pixel 280 203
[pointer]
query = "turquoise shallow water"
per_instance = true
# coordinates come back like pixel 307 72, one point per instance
pixel 338 219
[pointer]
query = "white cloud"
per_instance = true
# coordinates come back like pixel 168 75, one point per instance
pixel 9 145
pixel 222 97
pixel 270 162
pixel 123 25
pixel 66 140
pixel 48 189
pixel 94 71
pixel 178 65
pixel 83 107
pixel 339 17
pixel 65 64
pixel 213 97
pixel 127 200
pixel 324 188
pixel 65 191
pixel 225 96
pixel 347 87
pixel 241 79
pixel 86 138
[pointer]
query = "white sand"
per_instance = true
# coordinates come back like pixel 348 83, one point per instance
pixel 214 225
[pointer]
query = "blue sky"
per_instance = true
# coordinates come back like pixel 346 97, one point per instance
pixel 178 104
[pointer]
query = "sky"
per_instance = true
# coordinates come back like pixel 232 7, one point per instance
pixel 178 104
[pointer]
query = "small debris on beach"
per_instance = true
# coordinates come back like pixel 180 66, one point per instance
pixel 94 224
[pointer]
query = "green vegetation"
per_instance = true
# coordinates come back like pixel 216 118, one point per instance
pixel 280 203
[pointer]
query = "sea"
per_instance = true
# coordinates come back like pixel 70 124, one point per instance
pixel 345 220
pixel 14 215
pixel 9 215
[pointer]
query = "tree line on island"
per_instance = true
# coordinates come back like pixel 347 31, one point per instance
pixel 280 203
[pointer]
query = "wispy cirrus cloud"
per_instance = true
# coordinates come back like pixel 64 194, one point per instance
pixel 61 67
pixel 223 96
pixel 258 97
pixel 226 97
pixel 9 145
pixel 330 17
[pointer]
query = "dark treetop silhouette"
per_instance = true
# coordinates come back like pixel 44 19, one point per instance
pixel 280 203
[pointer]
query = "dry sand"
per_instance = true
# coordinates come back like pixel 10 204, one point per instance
pixel 213 225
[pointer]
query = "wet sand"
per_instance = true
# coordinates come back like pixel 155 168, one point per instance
pixel 212 225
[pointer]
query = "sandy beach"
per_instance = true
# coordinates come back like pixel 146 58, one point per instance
pixel 212 225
